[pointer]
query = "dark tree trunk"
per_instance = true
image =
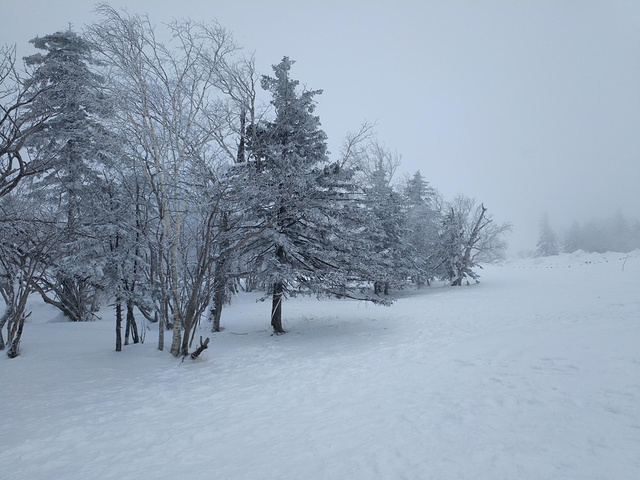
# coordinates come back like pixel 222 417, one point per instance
pixel 216 313
pixel 127 328
pixel 278 290
pixel 220 273
pixel 14 345
pixel 190 326
pixel 14 318
pixel 241 144
pixel 132 326
pixel 161 328
pixel 219 294
pixel 3 321
pixel 276 309
pixel 118 326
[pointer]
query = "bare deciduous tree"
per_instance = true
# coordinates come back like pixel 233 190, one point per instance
pixel 179 127
pixel 469 237
pixel 24 253
pixel 17 123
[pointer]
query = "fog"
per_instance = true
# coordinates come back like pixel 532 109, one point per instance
pixel 528 106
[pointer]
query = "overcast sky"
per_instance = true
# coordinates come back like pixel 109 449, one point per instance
pixel 527 106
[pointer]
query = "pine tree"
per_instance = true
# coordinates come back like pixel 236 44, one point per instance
pixel 422 225
pixel 618 233
pixel 634 235
pixel 307 202
pixel 573 238
pixel 547 241
pixel 75 143
pixel 417 190
pixel 385 224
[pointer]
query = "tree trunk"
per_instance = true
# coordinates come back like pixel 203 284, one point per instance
pixel 219 293
pixel 14 345
pixel 3 321
pixel 216 313
pixel 157 279
pixel 15 318
pixel 132 326
pixel 190 323
pixel 161 327
pixel 241 144
pixel 127 328
pixel 276 309
pixel 176 343
pixel 220 272
pixel 118 326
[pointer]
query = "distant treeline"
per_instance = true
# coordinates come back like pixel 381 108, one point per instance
pixel 612 234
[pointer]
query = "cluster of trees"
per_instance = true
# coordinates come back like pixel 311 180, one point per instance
pixel 148 174
pixel 613 234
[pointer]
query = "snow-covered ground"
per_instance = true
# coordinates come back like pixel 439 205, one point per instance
pixel 532 374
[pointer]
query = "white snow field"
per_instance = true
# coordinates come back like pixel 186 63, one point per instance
pixel 532 374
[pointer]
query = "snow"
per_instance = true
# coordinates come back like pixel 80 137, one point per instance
pixel 533 373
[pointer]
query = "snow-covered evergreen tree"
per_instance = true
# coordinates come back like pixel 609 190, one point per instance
pixel 385 224
pixel 634 235
pixel 448 254
pixel 423 223
pixel 618 233
pixel 75 144
pixel 417 190
pixel 573 238
pixel 547 240
pixel 307 202
pixel 128 218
